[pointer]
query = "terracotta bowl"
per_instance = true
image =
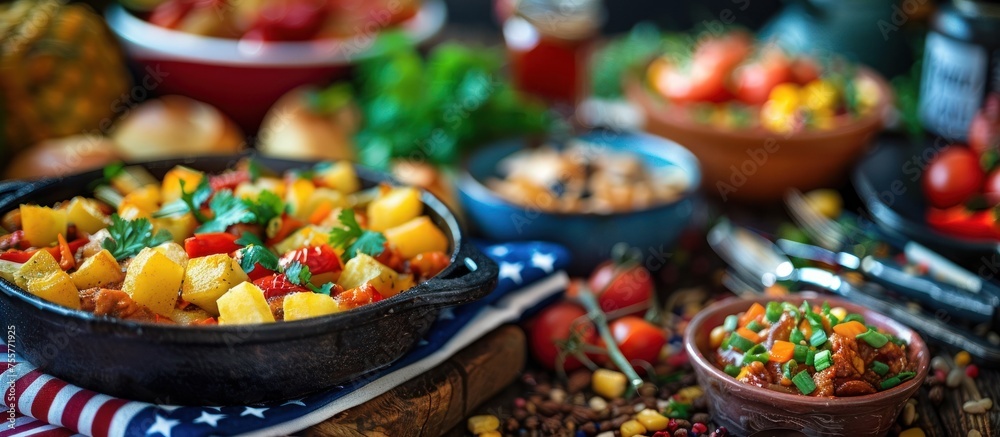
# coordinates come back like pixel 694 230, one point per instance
pixel 755 164
pixel 745 409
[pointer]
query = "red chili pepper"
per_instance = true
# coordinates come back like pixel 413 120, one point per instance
pixel 228 180
pixel 210 244
pixel 22 256
pixel 961 222
pixel 289 224
pixel 66 259
pixel 277 285
pixel 356 297
pixel 206 321
pixel 319 259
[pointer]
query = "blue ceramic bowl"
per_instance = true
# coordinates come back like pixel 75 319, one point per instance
pixel 588 236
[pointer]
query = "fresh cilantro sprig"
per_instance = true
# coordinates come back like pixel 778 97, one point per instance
pixel 189 202
pixel 353 239
pixel 267 206
pixel 128 237
pixel 227 210
pixel 253 252
pixel 299 274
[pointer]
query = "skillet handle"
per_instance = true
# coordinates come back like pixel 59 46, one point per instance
pixel 473 277
pixel 8 189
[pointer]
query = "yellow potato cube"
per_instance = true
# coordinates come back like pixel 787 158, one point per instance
pixel 209 277
pixel 97 271
pixel 180 227
pixel 324 197
pixel 363 269
pixel 146 199
pixel 128 211
pixel 394 208
pixel 42 224
pixel 86 215
pixel 244 304
pixel 175 252
pixel 56 287
pixel 304 237
pixel 341 177
pixel 9 269
pixel 154 280
pixel 417 236
pixel 171 187
pixel 39 265
pixel 300 306
pixel 298 196
pixel 250 190
pixel 189 315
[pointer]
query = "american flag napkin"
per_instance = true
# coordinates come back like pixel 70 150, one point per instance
pixel 42 406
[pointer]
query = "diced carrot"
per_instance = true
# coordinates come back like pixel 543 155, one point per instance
pixel 748 334
pixel 782 351
pixel 755 312
pixel 850 329
pixel 321 212
pixel 806 328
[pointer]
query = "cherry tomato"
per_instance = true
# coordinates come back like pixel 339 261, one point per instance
pixel 638 339
pixel 984 132
pixel 294 20
pixel 210 244
pixel 754 80
pixel 555 324
pixel 687 84
pixel 620 286
pixel 277 285
pixel 319 259
pixel 952 177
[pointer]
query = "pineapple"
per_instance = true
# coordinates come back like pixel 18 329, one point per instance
pixel 60 71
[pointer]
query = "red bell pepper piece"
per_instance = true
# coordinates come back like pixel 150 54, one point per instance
pixel 66 259
pixel 961 222
pixel 228 180
pixel 210 244
pixel 22 256
pixel 288 225
pixel 278 285
pixel 319 259
pixel 356 297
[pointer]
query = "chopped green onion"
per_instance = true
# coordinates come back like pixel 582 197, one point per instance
pixel 732 370
pixel 805 308
pixel 810 358
pixel 896 340
pixel 788 368
pixel 822 360
pixel 818 338
pixel 815 320
pixel 796 336
pixel 725 343
pixel 804 382
pixel 801 352
pixel 755 326
pixel 891 382
pixel 854 317
pixel 739 342
pixel 880 368
pixel 833 320
pixel 906 375
pixel 773 312
pixel 826 308
pixel 762 357
pixel 730 324
pixel 757 349
pixel 873 338
pixel 791 309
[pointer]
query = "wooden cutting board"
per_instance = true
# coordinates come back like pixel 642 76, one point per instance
pixel 441 398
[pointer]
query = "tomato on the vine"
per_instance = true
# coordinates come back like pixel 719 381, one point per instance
pixel 622 285
pixel 754 80
pixel 952 177
pixel 553 327
pixel 637 339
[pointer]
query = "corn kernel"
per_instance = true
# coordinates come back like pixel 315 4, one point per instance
pixel 776 119
pixel 608 383
pixel 786 96
pixel 715 338
pixel 913 432
pixel 689 394
pixel 632 428
pixel 652 420
pixel 483 424
pixel 962 359
pixel 839 312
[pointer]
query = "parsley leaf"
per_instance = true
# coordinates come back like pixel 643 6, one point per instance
pixel 299 274
pixel 254 254
pixel 267 206
pixel 229 210
pixel 128 237
pixel 353 239
pixel 248 238
pixel 189 202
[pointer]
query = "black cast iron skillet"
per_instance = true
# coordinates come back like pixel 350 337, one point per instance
pixel 226 365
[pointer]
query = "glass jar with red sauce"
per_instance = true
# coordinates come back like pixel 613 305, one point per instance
pixel 548 42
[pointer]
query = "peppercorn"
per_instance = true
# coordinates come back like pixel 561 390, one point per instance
pixel 701 417
pixel 548 408
pixel 578 381
pixel 531 422
pixel 520 414
pixel 511 425
pixel 589 428
pixel 647 390
pixel 681 433
pixel 936 395
pixel 618 421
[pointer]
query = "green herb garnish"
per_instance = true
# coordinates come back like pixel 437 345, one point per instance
pixel 755 326
pixel 880 368
pixel 804 382
pixel 818 338
pixel 255 252
pixel 773 312
pixel 732 370
pixel 299 274
pixel 228 210
pixel 353 239
pixel 796 336
pixel 822 360
pixel 128 237
pixel 188 202
pixel 739 342
pixel 873 338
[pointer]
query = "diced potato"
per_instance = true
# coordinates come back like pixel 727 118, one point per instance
pixel 250 190
pixel 189 315
pixel 128 211
pixel 154 280
pixel 394 208
pixel 304 237
pixel 171 187
pixel 175 252
pixel 326 198
pixel 417 236
pixel 403 282
pixel 341 177
pixel 9 269
pixel 244 304
pixel 97 271
pixel 207 278
pixel 56 287
pixel 364 269
pixel 300 306
pixel 298 196
pixel 42 224
pixel 40 264
pixel 146 198
pixel 133 178
pixel 86 215
pixel 180 227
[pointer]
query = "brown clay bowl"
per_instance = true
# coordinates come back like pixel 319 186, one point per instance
pixel 755 164
pixel 745 409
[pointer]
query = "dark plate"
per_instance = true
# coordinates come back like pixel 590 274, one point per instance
pixel 225 365
pixel 888 182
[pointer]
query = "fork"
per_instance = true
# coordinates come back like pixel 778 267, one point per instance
pixel 837 237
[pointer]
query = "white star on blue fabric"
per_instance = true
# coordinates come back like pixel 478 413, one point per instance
pixel 499 250
pixel 162 426
pixel 543 261
pixel 294 402
pixel 511 271
pixel 447 314
pixel 209 419
pixel 251 411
